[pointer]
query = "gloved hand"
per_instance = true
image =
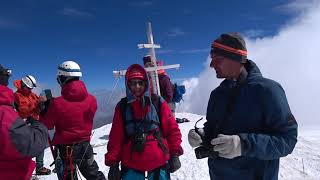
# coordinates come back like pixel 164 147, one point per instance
pixel 228 146
pixel 114 172
pixel 194 138
pixel 174 164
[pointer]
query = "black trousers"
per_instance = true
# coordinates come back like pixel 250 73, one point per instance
pixel 82 157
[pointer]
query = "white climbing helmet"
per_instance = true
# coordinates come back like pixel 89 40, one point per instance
pixel 29 81
pixel 69 69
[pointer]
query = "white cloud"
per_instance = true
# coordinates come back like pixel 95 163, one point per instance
pixel 189 51
pixel 75 12
pixel 162 51
pixel 253 33
pixel 174 32
pixel 192 51
pixel 296 6
pixel 291 57
pixel 198 91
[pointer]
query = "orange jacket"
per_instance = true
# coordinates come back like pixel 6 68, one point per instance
pixel 27 102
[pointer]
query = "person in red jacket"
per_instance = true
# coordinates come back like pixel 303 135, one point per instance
pixel 19 141
pixel 72 115
pixel 28 106
pixel 145 141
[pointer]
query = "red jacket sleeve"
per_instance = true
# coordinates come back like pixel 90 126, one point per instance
pixel 171 131
pixel 116 139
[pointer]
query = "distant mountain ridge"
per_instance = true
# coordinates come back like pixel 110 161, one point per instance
pixel 105 109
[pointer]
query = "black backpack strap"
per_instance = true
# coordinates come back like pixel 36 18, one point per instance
pixel 156 101
pixel 158 136
pixel 123 108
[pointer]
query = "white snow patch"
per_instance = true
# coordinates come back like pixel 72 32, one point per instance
pixel 303 163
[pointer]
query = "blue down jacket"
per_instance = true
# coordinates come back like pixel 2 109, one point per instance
pixel 261 117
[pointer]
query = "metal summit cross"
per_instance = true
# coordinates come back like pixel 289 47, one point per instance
pixel 152 71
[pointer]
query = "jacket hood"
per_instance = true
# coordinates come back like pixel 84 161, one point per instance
pixel 6 96
pixel 253 70
pixel 74 91
pixel 17 84
pixel 129 94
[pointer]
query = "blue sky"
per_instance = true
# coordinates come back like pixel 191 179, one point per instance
pixel 37 35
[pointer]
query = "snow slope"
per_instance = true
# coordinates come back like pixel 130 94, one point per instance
pixel 303 163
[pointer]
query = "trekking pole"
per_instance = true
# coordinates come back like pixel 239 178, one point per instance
pixel 54 155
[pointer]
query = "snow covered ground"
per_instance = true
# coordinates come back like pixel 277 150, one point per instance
pixel 303 163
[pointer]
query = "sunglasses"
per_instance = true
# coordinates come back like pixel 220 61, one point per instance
pixel 137 82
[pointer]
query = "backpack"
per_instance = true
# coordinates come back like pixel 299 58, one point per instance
pixel 156 102
pixel 178 92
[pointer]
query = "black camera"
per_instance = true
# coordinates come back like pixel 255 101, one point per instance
pixel 47 96
pixel 139 141
pixel 205 151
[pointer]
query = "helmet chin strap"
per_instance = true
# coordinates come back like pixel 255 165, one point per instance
pixel 59 81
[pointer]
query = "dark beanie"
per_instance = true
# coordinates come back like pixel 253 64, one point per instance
pixel 146 59
pixel 4 76
pixel 232 46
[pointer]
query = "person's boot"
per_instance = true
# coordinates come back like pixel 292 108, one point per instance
pixel 43 171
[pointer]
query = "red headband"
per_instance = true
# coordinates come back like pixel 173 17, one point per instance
pixel 230 49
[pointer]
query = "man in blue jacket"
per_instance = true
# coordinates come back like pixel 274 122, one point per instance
pixel 249 123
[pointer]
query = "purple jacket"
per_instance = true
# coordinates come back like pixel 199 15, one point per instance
pixel 166 87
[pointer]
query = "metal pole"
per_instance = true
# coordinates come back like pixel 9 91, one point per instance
pixel 154 75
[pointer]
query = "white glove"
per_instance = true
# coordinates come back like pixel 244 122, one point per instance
pixel 228 146
pixel 194 138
